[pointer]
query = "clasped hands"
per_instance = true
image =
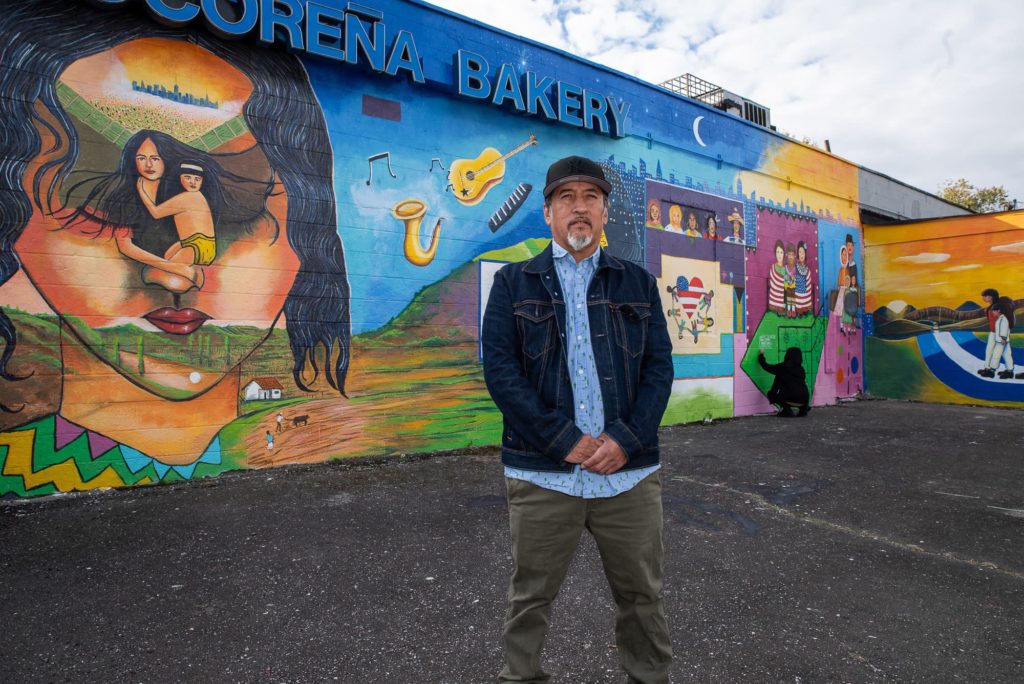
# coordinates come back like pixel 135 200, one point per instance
pixel 601 455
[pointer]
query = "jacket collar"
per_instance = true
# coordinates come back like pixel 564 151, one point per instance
pixel 545 261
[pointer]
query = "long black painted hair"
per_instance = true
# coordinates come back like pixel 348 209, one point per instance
pixel 111 199
pixel 1004 305
pixel 994 294
pixel 39 40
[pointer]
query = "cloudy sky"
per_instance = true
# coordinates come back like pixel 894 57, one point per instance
pixel 920 90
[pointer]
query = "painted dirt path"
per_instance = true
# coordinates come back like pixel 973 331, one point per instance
pixel 398 404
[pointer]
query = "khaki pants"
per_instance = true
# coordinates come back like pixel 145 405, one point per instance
pixel 546 528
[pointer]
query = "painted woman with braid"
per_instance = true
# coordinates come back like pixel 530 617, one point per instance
pixel 150 356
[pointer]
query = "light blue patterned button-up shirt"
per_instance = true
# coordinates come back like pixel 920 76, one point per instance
pixel 586 388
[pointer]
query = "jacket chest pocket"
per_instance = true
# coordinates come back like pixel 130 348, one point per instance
pixel 630 323
pixel 536 324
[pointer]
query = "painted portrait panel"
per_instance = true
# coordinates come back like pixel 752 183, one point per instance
pixel 174 209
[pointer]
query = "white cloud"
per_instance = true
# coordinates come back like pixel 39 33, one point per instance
pixel 965 267
pixel 1014 247
pixel 924 258
pixel 919 90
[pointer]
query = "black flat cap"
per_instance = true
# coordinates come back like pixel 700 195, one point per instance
pixel 575 169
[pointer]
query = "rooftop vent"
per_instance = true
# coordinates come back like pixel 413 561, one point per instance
pixel 698 89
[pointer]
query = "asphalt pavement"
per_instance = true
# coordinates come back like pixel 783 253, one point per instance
pixel 874 541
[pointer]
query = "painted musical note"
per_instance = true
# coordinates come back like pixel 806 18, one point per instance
pixel 377 157
pixel 436 160
pixel 509 207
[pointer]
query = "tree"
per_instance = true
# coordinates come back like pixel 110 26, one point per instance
pixel 962 192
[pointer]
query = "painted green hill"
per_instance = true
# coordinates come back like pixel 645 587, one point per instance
pixel 447 312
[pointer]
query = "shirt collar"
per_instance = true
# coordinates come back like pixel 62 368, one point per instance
pixel 559 252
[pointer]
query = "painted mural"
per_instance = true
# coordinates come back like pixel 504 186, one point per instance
pixel 946 308
pixel 217 256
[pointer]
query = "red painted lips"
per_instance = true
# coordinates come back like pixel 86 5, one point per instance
pixel 177 321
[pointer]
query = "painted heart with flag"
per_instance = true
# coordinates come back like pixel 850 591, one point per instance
pixel 689 292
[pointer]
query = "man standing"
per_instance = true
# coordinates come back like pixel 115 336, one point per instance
pixel 578 358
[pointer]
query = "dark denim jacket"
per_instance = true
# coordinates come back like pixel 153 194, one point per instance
pixel 525 361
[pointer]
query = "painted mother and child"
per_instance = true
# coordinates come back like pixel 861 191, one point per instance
pixel 164 178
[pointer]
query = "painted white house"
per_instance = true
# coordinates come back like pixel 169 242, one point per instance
pixel 262 388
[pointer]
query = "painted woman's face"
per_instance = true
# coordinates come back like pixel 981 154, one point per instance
pixel 655 212
pixel 801 254
pixel 675 215
pixel 691 221
pixel 780 255
pixel 174 344
pixel 148 162
pixel 191 182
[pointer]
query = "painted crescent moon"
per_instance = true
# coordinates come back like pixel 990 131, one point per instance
pixel 696 131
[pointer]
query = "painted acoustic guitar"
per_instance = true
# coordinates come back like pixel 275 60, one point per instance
pixel 471 179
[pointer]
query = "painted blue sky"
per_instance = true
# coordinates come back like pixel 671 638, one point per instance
pixel 920 90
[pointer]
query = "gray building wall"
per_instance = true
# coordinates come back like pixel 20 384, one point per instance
pixel 891 199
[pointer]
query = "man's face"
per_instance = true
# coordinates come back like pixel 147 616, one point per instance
pixel 577 215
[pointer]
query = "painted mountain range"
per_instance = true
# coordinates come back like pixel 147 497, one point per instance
pixel 893 322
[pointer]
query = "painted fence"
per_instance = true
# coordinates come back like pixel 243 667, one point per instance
pixel 216 253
